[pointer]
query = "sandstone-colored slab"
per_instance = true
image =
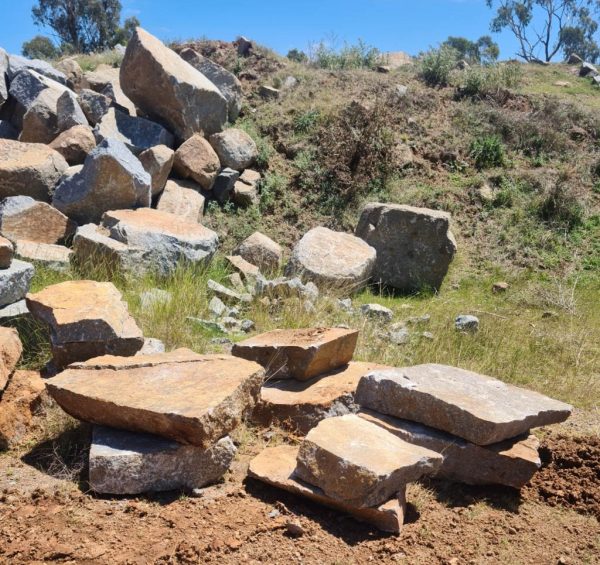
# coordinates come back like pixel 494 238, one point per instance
pixel 360 463
pixel 301 405
pixel 190 398
pixel 10 353
pixel 300 354
pixel 480 409
pixel 74 144
pixel 183 200
pixel 511 462
pixel 123 462
pixel 276 465
pixel 55 257
pixel 247 270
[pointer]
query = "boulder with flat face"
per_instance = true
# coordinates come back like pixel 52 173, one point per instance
pixel 157 162
pixel 15 281
pixel 300 354
pixel 74 144
pixel 190 398
pixel 360 463
pixel 10 353
pixel 94 105
pixel 414 245
pixel 123 462
pixel 182 199
pixel 480 409
pixel 111 178
pixel 235 148
pixel 106 80
pixel 332 259
pixel 260 250
pixel 16 64
pixel 196 160
pixel 50 255
pixel 169 90
pixel 29 169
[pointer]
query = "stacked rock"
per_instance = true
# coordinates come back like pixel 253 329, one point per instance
pixel 15 278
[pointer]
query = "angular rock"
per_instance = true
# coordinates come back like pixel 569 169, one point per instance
pixel 235 148
pixel 86 319
pixel 227 294
pixel 15 281
pixel 7 130
pixel 587 69
pixel 29 169
pixel 16 64
pixel 73 73
pixel 359 463
pixel 196 160
pixel 275 466
pixel 475 407
pixel 227 83
pixel 124 462
pixel 6 253
pixel 111 178
pixel 260 250
pixel 106 80
pixel 216 307
pixel 250 177
pixel 23 218
pixel 245 195
pixel 181 199
pixel 94 105
pixel 299 354
pixel 414 245
pixel 302 405
pixel 157 162
pixel 268 92
pixel 511 462
pixel 74 144
pixel 10 353
pixel 222 189
pixel 13 312
pixel 466 323
pixel 138 134
pixel 190 398
pixel 332 259
pixel 247 270
pixel 53 256
pixel 377 312
pixel 283 288
pixel 170 90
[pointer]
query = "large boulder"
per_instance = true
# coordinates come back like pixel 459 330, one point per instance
pixel 111 178
pixel 227 83
pixel 182 199
pixel 3 76
pixel 196 160
pixel 414 245
pixel 332 259
pixel 22 217
pixel 170 90
pixel 75 144
pixel 15 281
pixel 29 169
pixel 158 162
pixel 235 148
pixel 10 353
pixel 86 319
pixel 190 398
pixel 16 64
pixel 262 251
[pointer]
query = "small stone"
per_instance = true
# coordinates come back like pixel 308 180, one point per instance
pixel 398 334
pixel 268 92
pixel 294 530
pixel 247 326
pixel 158 162
pixel 151 346
pixel 466 323
pixel 345 304
pixel 377 312
pixel 499 287
pixel 216 307
pixel 260 250
pixel 15 281
pixel 226 294
pixel 224 184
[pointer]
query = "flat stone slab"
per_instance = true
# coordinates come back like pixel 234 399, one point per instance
pixel 301 405
pixel 190 398
pixel 360 463
pixel 124 462
pixel 300 354
pixel 55 257
pixel 276 466
pixel 475 407
pixel 511 462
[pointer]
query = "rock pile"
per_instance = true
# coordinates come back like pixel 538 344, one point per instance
pixel 15 276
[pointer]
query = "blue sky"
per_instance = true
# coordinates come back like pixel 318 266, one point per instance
pixel 390 25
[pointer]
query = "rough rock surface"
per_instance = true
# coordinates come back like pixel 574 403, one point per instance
pixel 260 250
pixel 22 217
pixel 7 252
pixel 511 462
pixel 190 398
pixel 16 64
pixel 94 105
pixel 247 270
pixel 359 463
pixel 170 90
pixel 223 187
pixel 299 354
pixel 3 76
pixel 157 162
pixel 8 131
pixel 332 259
pixel 111 178
pixel 245 195
pixel 123 462
pixel 302 405
pixel 86 319
pixel 275 466
pixel 15 281
pixel 195 159
pixel 235 148
pixel 53 256
pixel 29 169
pixel 414 245
pixel 181 199
pixel 106 80
pixel 74 144
pixel 474 407
pixel 10 353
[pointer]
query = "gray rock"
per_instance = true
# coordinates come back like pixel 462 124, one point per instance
pixel 268 92
pixel 151 346
pixel 235 148
pixel 216 307
pixel 247 326
pixel 158 162
pixel 377 312
pixel 15 281
pixel 124 462
pixel 51 256
pixel 398 334
pixel 244 46
pixel 3 76
pixel 94 105
pixel 224 184
pixel 16 64
pixel 574 59
pixel 105 80
pixel 587 69
pixel 283 288
pixel 226 294
pixel 111 178
pixel 138 134
pixel 414 245
pixel 14 311
pixel 345 304
pixel 466 323
pixel 7 130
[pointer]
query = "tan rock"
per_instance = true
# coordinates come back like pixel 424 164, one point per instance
pixel 183 200
pixel 86 319
pixel 245 269
pixel 10 353
pixel 475 407
pixel 74 144
pixel 360 463
pixel 235 148
pixel 196 160
pixel 301 405
pixel 275 466
pixel 261 251
pixel 299 354
pixel 511 462
pixel 48 254
pixel 23 218
pixel 29 169
pixel 245 195
pixel 158 162
pixel 6 253
pixel 193 399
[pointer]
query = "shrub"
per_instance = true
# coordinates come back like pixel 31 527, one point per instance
pixel 303 123
pixel 436 65
pixel 350 56
pixel 488 151
pixel 297 56
pixel 40 47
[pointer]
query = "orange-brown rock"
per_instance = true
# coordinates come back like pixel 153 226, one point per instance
pixel 7 252
pixel 196 160
pixel 275 466
pixel 299 354
pixel 260 250
pixel 247 270
pixel 182 199
pixel 10 353
pixel 74 144
pixel 193 399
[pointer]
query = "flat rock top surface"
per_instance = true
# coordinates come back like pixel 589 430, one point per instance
pixel 18 155
pixel 301 338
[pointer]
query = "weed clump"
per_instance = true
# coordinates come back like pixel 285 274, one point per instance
pixel 436 65
pixel 487 152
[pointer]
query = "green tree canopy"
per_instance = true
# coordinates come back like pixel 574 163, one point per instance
pixel 40 47
pixel 484 50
